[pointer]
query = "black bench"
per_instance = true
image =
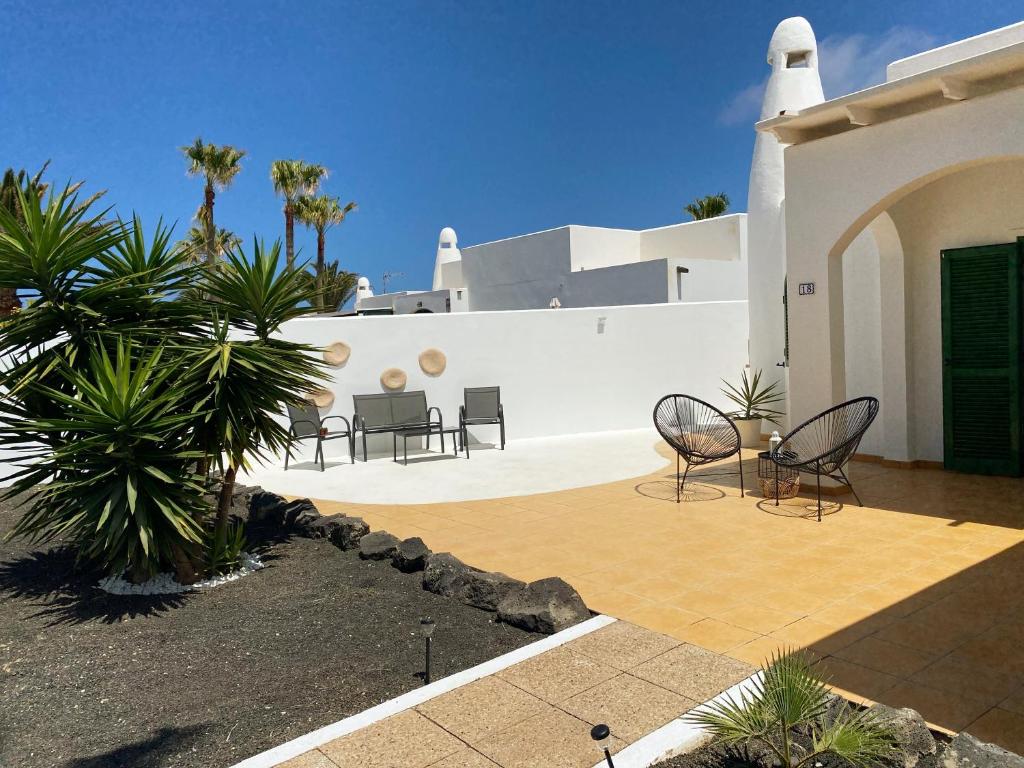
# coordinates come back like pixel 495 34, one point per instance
pixel 393 412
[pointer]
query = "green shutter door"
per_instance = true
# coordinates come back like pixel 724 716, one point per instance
pixel 981 349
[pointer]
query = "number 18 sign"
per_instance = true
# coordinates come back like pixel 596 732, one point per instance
pixel 806 289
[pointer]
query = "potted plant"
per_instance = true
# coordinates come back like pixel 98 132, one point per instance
pixel 753 401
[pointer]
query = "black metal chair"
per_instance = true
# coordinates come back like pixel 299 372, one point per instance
pixel 825 443
pixel 306 423
pixel 481 405
pixel 698 432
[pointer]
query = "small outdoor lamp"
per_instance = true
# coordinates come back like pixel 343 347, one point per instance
pixel 603 736
pixel 427 628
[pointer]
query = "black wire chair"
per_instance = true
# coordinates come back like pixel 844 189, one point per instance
pixel 698 432
pixel 825 443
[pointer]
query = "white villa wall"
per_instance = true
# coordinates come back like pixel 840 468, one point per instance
pixel 597 266
pixel 978 206
pixel 595 247
pixel 835 187
pixel 561 371
pixel 862 309
pixel 958 51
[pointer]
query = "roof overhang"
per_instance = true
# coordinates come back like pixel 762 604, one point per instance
pixel 979 75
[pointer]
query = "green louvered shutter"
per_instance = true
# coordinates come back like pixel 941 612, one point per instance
pixel 981 347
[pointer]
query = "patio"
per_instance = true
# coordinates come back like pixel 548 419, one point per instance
pixel 914 600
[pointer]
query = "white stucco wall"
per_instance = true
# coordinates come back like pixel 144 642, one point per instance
pixel 978 206
pixel 561 371
pixel 597 266
pixel 957 51
pixel 838 185
pixel 862 310
pixel 595 247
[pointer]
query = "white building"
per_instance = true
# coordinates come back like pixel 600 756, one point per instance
pixel 904 209
pixel 598 266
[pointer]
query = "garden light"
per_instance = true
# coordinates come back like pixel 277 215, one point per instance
pixel 427 629
pixel 603 736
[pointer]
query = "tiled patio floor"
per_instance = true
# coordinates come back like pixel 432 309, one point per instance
pixel 914 600
pixel 538 713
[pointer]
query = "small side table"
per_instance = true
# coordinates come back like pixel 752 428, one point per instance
pixel 772 475
pixel 455 432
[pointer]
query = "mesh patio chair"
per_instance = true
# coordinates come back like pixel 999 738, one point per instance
pixel 825 443
pixel 306 423
pixel 481 405
pixel 698 432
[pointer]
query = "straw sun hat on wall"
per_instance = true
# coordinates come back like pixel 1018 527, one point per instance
pixel 433 361
pixel 393 379
pixel 321 398
pixel 337 353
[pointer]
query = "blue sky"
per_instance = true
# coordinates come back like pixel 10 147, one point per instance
pixel 493 118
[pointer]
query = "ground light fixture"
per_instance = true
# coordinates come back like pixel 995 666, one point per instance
pixel 603 737
pixel 427 630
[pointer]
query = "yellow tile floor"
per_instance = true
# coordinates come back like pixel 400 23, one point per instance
pixel 538 713
pixel 915 599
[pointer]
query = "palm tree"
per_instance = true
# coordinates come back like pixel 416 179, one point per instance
pixel 321 212
pixel 334 286
pixel 294 179
pixel 9 186
pixel 194 244
pixel 708 207
pixel 218 166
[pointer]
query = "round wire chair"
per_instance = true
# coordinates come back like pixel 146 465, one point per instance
pixel 698 432
pixel 825 443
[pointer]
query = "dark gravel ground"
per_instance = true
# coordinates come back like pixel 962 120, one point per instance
pixel 91 680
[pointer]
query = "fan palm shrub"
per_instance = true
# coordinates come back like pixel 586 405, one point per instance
pixel 293 179
pixel 122 390
pixel 335 286
pixel 788 697
pixel 218 165
pixel 708 207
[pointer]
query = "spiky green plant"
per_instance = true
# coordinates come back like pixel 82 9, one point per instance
pixel 708 207
pixel 218 165
pixel 225 556
pixel 293 179
pixel 112 473
pixel 121 398
pixel 788 695
pixel 753 399
pixel 247 381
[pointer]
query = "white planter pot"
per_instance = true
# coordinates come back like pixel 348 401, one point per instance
pixel 750 432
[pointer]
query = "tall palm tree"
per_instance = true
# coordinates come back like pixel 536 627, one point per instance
pixel 9 186
pixel 709 206
pixel 321 213
pixel 218 166
pixel 195 243
pixel 294 179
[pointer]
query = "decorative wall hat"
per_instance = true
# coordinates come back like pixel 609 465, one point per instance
pixel 321 398
pixel 337 353
pixel 393 378
pixel 433 361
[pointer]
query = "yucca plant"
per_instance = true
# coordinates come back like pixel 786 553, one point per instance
pixel 753 399
pixel 788 696
pixel 111 474
pixel 132 374
pixel 225 556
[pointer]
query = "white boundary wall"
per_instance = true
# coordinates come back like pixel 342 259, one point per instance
pixel 563 371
